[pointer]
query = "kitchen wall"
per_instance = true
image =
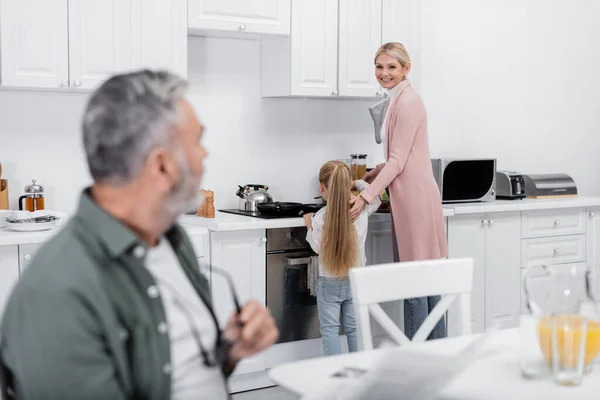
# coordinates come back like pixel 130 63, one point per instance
pixel 501 78
pixel 516 80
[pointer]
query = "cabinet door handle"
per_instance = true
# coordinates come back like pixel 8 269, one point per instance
pixel 592 215
pixel 335 92
pixel 242 27
pixel 484 222
pixel 264 240
pixel 556 252
pixel 64 83
pixel 27 257
pixel 556 223
pixel 491 222
pixel 77 83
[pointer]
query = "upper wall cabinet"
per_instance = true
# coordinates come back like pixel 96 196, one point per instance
pixel 324 58
pixel 77 44
pixel 239 17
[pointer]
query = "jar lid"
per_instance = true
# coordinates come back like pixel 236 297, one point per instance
pixel 359 156
pixel 33 188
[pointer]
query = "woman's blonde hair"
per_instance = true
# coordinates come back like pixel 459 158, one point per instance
pixel 339 248
pixel 396 50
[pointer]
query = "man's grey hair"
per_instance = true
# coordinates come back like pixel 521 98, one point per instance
pixel 126 118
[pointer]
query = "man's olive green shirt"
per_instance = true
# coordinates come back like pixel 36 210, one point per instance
pixel 82 322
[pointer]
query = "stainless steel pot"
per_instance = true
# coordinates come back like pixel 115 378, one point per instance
pixel 251 195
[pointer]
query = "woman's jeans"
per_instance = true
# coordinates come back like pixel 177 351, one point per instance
pixel 417 309
pixel 334 297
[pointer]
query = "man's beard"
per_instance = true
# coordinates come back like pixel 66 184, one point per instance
pixel 186 195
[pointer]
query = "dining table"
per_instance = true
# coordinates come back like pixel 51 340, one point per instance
pixel 492 375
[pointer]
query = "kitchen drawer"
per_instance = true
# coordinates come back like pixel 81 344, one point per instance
pixel 554 250
pixel 544 223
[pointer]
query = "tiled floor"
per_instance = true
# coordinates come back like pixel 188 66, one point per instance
pixel 273 393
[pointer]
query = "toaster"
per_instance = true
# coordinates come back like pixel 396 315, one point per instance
pixel 510 185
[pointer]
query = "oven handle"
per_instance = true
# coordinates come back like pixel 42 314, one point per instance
pixel 297 260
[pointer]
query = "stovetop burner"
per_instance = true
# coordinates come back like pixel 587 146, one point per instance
pixel 256 214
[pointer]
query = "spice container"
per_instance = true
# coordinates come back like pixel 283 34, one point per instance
pixel 209 204
pixel 358 166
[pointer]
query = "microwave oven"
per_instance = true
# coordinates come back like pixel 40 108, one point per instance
pixel 465 179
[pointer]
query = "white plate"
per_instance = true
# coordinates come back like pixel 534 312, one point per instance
pixel 30 226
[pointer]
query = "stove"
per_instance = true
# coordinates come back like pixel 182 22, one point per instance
pixel 256 214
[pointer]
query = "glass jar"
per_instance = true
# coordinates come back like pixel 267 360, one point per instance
pixel 560 332
pixel 358 166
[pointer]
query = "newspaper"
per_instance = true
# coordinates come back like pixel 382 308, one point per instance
pixel 400 374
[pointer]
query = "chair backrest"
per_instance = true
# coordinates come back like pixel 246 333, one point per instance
pixel 451 279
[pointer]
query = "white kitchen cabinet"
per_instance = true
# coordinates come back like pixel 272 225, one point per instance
pixel 359 39
pixel 494 242
pixel 320 60
pixel 34 43
pixel 593 246
pixel 210 17
pixel 9 273
pixel 26 254
pixel 243 255
pixel 99 41
pixel 77 44
pixel 159 40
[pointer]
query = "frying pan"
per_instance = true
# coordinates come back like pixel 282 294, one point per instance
pixel 312 208
pixel 280 208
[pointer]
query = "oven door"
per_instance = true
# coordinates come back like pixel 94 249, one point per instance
pixel 293 307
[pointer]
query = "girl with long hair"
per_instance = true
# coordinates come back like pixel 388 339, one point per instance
pixel 340 244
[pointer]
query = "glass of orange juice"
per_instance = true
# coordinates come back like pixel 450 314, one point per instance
pixel 560 329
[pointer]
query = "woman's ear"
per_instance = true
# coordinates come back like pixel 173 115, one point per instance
pixel 321 187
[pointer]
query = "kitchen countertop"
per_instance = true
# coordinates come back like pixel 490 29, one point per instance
pixel 13 238
pixel 523 205
pixel 231 222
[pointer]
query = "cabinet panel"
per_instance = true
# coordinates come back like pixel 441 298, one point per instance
pixel 243 255
pixel 466 238
pixel 159 35
pixel 503 269
pixel 553 250
pixel 544 223
pixel 99 40
pixel 256 16
pixel 9 273
pixel 34 43
pixel 26 255
pixel 593 246
pixel 359 39
pixel 314 47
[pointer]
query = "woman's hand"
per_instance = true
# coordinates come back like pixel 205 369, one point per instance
pixel 371 175
pixel 358 205
pixel 308 220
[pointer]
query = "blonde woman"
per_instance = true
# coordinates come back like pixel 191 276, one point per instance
pixel 340 244
pixel 408 176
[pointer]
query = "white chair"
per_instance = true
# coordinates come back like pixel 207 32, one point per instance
pixel 449 278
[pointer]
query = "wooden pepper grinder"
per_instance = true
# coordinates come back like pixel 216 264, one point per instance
pixel 201 212
pixel 210 204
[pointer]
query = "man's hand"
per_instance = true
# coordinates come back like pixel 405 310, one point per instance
pixel 250 332
pixel 308 220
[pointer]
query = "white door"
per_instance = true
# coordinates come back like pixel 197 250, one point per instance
pixel 593 246
pixel 34 43
pixel 99 41
pixel 243 255
pixel 314 48
pixel 159 35
pixel 466 238
pixel 9 273
pixel 503 269
pixel 256 16
pixel 359 39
